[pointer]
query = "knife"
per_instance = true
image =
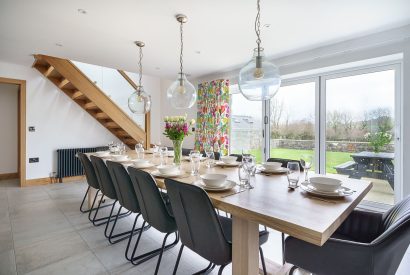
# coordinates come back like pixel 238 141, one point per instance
pixel 237 192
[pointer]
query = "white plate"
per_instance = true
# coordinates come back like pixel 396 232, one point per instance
pixel 227 186
pixel 221 163
pixel 142 165
pixel 176 174
pixel 342 192
pixel 281 170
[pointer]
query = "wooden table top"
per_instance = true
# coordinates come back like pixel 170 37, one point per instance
pixel 271 203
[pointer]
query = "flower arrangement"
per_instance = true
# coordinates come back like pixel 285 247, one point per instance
pixel 176 129
pixel 378 140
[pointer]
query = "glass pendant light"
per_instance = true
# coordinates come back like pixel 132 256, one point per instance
pixel 139 101
pixel 181 93
pixel 259 79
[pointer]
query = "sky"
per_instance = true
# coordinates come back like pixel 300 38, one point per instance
pixel 353 94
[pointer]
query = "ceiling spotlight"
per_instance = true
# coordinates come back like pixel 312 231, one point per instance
pixel 59 44
pixel 266 25
pixel 198 52
pixel 157 68
pixel 82 11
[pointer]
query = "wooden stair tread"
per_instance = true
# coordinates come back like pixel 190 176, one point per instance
pixel 101 115
pixel 121 133
pixel 111 125
pixel 90 106
pixel 78 95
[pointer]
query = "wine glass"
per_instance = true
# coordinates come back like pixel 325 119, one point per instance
pixel 209 152
pixel 163 154
pixel 249 165
pixel 293 174
pixel 306 162
pixel 195 158
pixel 139 149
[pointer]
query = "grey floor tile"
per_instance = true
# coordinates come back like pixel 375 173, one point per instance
pixel 7 263
pixel 83 263
pixel 6 240
pixel 46 252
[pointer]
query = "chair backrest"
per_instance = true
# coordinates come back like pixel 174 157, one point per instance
pixel 152 205
pixel 123 186
pixel 198 224
pixel 285 162
pixel 104 178
pixel 89 171
pixel 392 244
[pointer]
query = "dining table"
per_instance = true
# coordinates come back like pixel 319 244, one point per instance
pixel 270 203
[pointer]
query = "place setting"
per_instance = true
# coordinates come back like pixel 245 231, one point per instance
pixel 228 161
pixel 215 182
pixel 168 171
pixel 272 168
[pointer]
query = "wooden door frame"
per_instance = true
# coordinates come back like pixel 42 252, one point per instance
pixel 21 167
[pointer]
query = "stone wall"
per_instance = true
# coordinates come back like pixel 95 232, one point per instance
pixel 332 146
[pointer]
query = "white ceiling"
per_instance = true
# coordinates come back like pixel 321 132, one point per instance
pixel 221 30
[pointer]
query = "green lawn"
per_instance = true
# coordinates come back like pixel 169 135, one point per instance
pixel 332 158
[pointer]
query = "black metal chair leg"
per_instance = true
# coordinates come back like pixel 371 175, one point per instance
pixel 82 203
pixel 160 254
pixel 92 205
pixel 221 269
pixel 130 238
pixel 178 259
pixel 146 256
pixel 283 248
pixel 293 268
pixel 263 261
pixel 109 217
pixel 114 224
pixel 206 270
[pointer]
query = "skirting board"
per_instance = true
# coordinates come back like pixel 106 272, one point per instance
pixel 7 176
pixel 44 181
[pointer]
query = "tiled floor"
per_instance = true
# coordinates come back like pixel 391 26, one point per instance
pixel 43 232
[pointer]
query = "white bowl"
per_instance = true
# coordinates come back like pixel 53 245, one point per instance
pixel 102 153
pixel 229 159
pixel 140 161
pixel 213 180
pixel 120 157
pixel 323 183
pixel 271 166
pixel 167 169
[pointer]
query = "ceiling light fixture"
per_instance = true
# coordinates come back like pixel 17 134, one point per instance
pixel 139 101
pixel 59 44
pixel 181 93
pixel 259 79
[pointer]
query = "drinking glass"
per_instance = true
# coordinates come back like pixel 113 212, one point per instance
pixel 209 152
pixel 139 149
pixel 163 154
pixel 306 161
pixel 250 164
pixel 244 177
pixel 293 174
pixel 195 157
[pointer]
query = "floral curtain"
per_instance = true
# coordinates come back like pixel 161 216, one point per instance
pixel 213 115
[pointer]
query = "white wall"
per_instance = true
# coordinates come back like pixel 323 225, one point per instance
pixel 59 121
pixel 167 110
pixel 9 128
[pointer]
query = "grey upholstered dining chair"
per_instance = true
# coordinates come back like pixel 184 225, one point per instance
pixel 156 213
pixel 201 229
pixel 367 243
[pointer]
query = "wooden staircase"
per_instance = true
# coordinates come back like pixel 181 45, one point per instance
pixel 66 76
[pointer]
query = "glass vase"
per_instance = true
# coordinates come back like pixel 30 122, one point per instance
pixel 177 151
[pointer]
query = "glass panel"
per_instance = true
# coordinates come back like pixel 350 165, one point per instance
pixel 246 125
pixel 292 122
pixel 113 84
pixel 359 130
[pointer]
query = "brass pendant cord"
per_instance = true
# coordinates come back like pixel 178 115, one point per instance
pixel 258 26
pixel 140 67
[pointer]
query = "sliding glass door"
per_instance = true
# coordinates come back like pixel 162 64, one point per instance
pixel 360 128
pixel 292 120
pixel 349 121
